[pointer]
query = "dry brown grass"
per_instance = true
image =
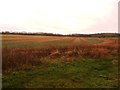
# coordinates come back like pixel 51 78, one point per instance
pixel 20 58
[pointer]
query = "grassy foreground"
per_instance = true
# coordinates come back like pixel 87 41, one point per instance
pixel 81 73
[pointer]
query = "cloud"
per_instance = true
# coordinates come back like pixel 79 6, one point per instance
pixel 58 16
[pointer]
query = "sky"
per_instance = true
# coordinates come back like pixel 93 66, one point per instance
pixel 59 16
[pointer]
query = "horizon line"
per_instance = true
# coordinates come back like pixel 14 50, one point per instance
pixel 59 33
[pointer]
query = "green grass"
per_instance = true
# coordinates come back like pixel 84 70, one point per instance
pixel 94 41
pixel 37 44
pixel 89 41
pixel 116 38
pixel 82 73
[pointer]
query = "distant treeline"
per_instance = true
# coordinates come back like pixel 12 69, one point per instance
pixel 30 33
pixel 100 35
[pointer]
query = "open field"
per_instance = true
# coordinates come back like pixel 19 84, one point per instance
pixel 26 41
pixel 59 62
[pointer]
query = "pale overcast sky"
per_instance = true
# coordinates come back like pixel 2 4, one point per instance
pixel 59 16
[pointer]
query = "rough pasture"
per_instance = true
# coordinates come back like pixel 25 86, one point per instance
pixel 59 62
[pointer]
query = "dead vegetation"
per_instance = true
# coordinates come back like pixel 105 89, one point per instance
pixel 17 58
